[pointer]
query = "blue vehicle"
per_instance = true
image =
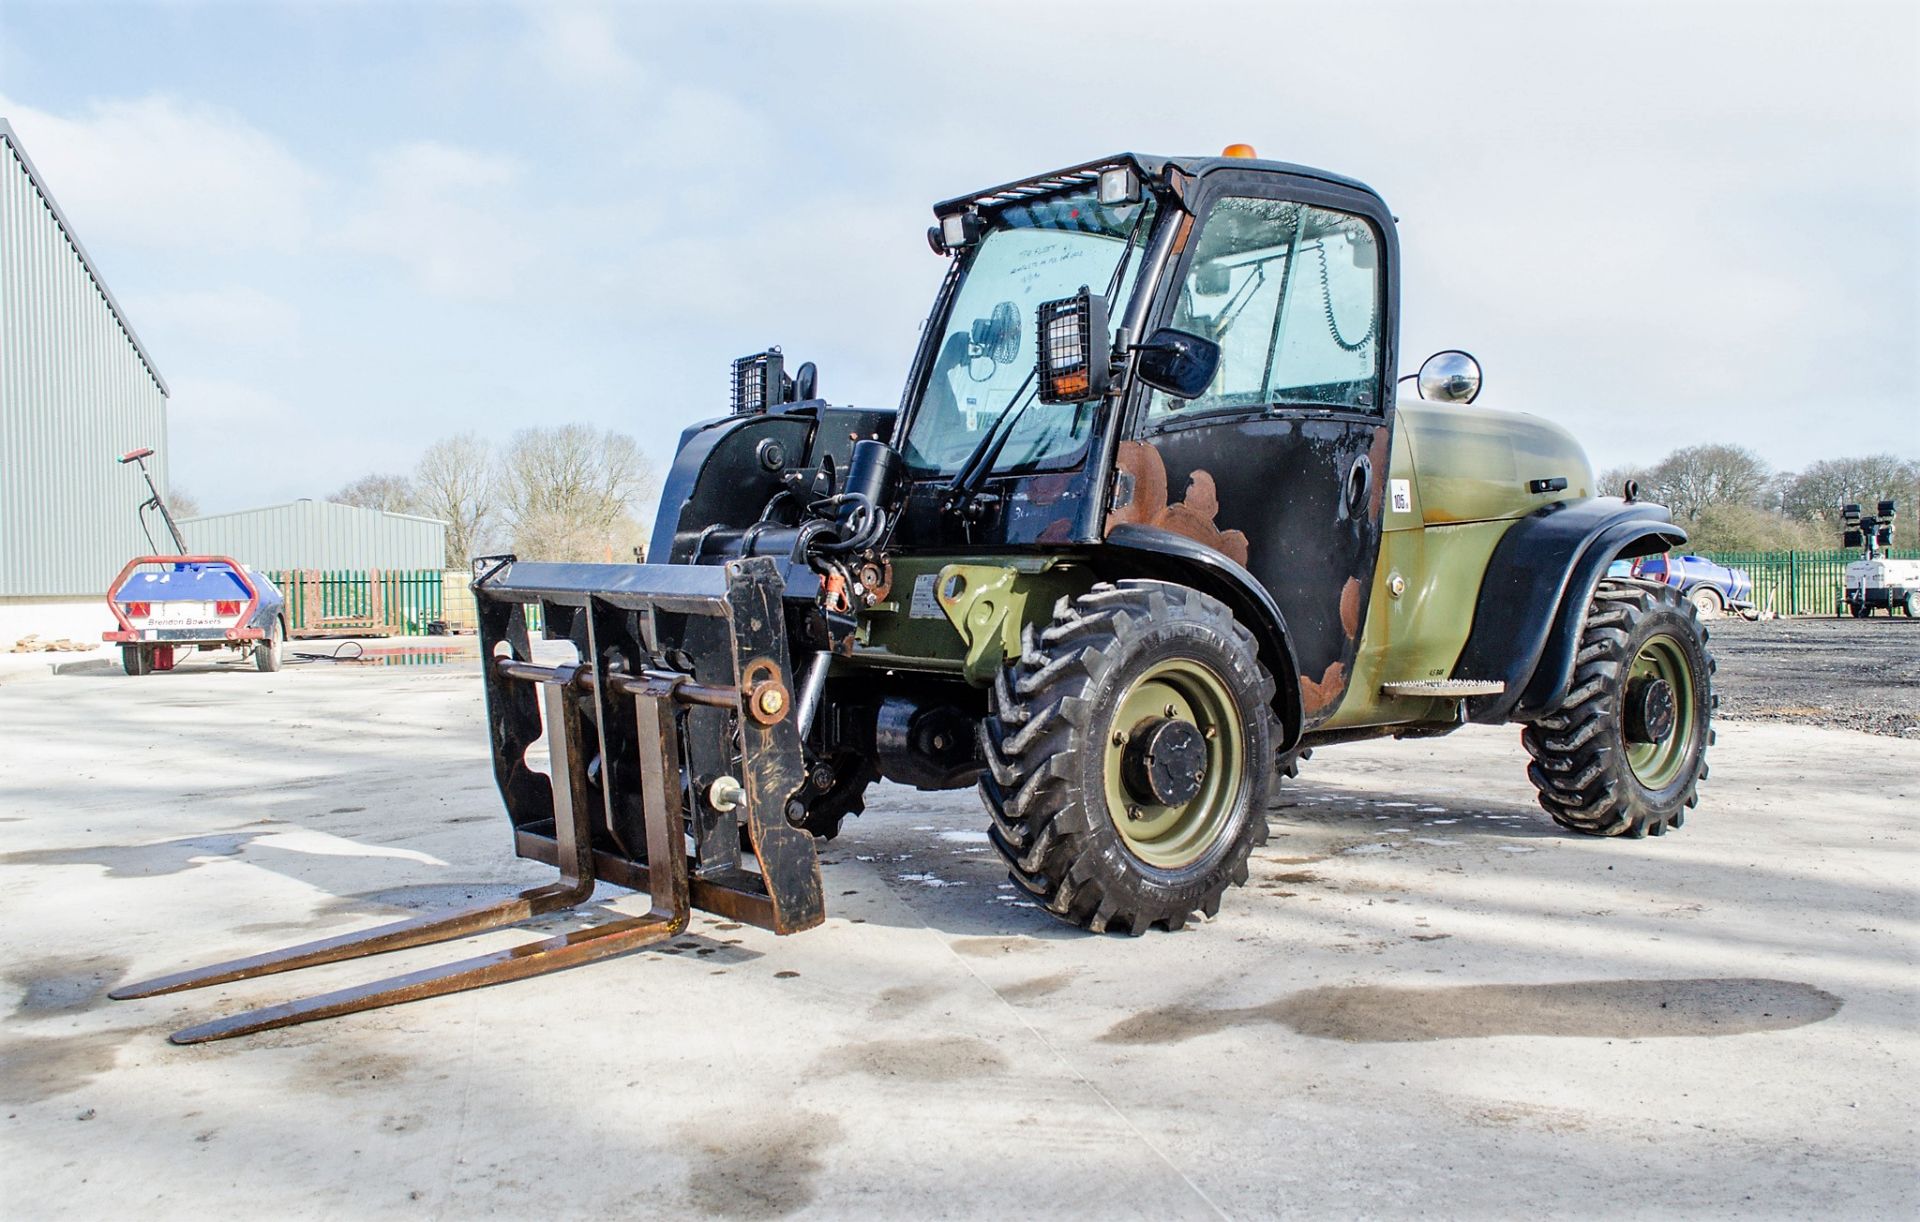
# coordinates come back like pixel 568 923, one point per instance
pixel 1713 589
pixel 172 602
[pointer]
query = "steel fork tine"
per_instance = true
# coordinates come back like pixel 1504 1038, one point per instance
pixel 513 963
pixel 571 800
pixel 415 931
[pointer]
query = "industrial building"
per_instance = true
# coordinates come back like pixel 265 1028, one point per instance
pixel 77 390
pixel 320 535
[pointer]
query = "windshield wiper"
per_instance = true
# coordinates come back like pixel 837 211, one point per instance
pixel 968 478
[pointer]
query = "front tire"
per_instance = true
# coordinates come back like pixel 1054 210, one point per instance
pixel 135 660
pixel 1130 757
pixel 1625 752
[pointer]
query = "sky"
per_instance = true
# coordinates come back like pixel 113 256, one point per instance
pixel 344 230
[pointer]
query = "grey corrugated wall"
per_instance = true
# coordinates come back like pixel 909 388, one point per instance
pixel 76 392
pixel 320 535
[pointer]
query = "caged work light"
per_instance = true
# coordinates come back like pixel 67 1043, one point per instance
pixel 1073 362
pixel 758 382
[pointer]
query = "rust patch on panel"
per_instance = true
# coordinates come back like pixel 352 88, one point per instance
pixel 1350 607
pixel 1317 695
pixel 1192 517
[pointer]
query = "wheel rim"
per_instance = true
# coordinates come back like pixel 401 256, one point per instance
pixel 1172 836
pixel 1662 660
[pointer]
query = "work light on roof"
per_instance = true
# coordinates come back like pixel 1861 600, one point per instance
pixel 958 229
pixel 1119 185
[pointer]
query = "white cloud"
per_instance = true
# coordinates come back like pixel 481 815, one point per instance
pixel 581 47
pixel 159 172
pixel 447 215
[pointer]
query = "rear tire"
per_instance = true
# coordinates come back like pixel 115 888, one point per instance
pixel 135 660
pixel 1066 745
pixel 266 655
pixel 1600 763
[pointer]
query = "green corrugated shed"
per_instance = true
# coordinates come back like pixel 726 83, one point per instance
pixel 320 535
pixel 77 390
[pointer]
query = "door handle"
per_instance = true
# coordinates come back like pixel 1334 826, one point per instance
pixel 1556 484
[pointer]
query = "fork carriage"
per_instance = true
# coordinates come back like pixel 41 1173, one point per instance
pixel 631 737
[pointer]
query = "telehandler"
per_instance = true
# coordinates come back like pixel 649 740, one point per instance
pixel 1149 524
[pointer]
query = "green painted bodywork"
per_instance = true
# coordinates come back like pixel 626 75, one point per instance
pixel 1465 471
pixel 963 615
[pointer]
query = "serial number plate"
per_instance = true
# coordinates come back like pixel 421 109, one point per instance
pixel 925 605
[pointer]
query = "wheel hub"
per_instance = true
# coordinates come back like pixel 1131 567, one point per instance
pixel 1650 711
pixel 1165 761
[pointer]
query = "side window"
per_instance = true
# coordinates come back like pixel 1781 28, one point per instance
pixel 1291 294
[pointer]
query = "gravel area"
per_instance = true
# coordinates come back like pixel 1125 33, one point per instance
pixel 1856 674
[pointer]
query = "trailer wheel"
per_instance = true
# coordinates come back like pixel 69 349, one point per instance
pixel 1707 601
pixel 1130 757
pixel 135 660
pixel 266 655
pixel 1912 604
pixel 1625 752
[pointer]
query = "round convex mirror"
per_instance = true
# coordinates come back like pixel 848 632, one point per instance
pixel 1452 376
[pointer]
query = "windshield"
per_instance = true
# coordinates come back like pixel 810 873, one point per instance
pixel 1031 252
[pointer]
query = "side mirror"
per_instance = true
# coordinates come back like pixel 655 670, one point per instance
pixel 1452 376
pixel 1177 362
pixel 1076 350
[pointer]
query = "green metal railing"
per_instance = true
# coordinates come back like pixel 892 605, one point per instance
pixel 375 601
pixel 1798 583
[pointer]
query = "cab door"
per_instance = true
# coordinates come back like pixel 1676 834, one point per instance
pixel 1280 464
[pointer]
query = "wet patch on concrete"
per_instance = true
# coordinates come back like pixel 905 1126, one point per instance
pixel 32 1070
pixel 902 1000
pixel 938 1059
pixel 432 895
pixel 1297 877
pixel 63 984
pixel 134 860
pixel 1592 1009
pixel 757 1169
pixel 1039 986
pixel 335 1074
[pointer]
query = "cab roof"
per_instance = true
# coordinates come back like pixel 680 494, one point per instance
pixel 1147 165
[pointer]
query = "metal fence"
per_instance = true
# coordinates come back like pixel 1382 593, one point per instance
pixel 1798 583
pixel 366 602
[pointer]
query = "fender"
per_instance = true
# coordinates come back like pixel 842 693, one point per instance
pixel 1148 551
pixel 1534 596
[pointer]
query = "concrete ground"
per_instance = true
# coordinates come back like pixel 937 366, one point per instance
pixel 1428 1002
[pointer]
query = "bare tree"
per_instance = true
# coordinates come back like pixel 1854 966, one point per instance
pixel 575 493
pixel 387 493
pixel 1817 493
pixel 454 482
pixel 1613 481
pixel 180 503
pixel 1689 481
